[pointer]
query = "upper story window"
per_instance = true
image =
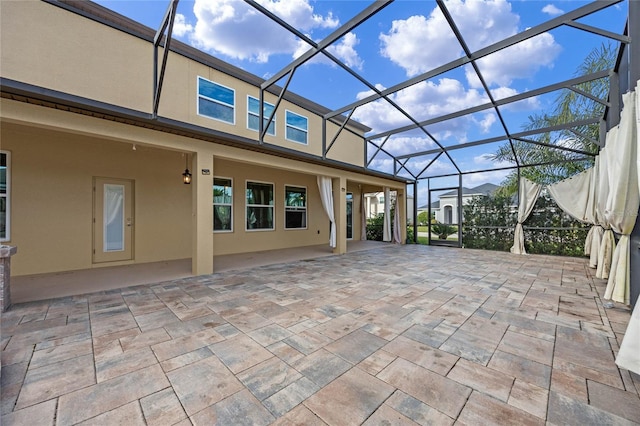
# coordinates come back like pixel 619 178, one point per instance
pixel 216 101
pixel 253 115
pixel 5 189
pixel 295 207
pixel 297 127
pixel 259 200
pixel 222 204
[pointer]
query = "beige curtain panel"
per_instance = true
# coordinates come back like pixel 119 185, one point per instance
pixel 529 193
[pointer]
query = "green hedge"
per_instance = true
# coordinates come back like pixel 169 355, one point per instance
pixel 489 223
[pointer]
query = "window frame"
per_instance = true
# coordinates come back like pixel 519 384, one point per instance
pixel 287 126
pixel 297 209
pixel 257 115
pixel 214 204
pixel 7 197
pixel 233 106
pixel 272 206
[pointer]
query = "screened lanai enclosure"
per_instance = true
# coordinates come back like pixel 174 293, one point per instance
pixel 467 109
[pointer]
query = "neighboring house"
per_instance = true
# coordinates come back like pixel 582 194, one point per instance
pixel 374 205
pixel 93 176
pixel 446 208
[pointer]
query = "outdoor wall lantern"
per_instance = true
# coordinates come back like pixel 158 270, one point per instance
pixel 186 176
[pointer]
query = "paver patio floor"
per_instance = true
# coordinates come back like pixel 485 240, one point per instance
pixel 394 335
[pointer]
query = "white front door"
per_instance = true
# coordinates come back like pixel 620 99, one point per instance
pixel 113 220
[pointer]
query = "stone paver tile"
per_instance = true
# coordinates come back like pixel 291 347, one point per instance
pixel 33 326
pixel 527 347
pixel 196 325
pixel 356 346
pixel 530 398
pixel 482 409
pixel 623 404
pixel 17 355
pixel 227 330
pixel 110 367
pixel 321 367
pixel 158 318
pixel 53 333
pixel 50 381
pixel 521 368
pixel 419 353
pixel 240 353
pixel 285 352
pixel 471 346
pixel 350 399
pixel 268 377
pixel 386 415
pixel 270 334
pixel 248 321
pixel 202 384
pixel 526 323
pixel 108 339
pixel 490 329
pixel 162 408
pixel 145 339
pixel 238 409
pixel 339 327
pixel 112 321
pixel 417 410
pixel 39 414
pixel 376 362
pixel 285 399
pixel 441 393
pixel 483 379
pixel 186 359
pixel 289 318
pixel 143 304
pixel 574 387
pixel 307 341
pixel 13 373
pixel 94 400
pixel 426 335
pixel 594 373
pixel 299 416
pixel 563 410
pixel 128 414
pixel 182 345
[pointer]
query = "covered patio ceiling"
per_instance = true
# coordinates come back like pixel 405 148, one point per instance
pixel 416 138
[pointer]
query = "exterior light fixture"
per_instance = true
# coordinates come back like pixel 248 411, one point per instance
pixel 186 176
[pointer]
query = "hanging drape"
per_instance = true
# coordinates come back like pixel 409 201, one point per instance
pixel 594 237
pixel 326 195
pixel 529 192
pixel 623 200
pixel 629 353
pixel 386 227
pixel 363 218
pixel 608 241
pixel 576 196
pixel 396 223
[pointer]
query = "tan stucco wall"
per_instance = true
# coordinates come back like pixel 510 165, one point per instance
pixel 241 240
pixel 52 198
pixel 46 46
pixel 84 146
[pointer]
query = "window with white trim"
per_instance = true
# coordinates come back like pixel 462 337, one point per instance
pixel 5 196
pixel 253 115
pixel 222 204
pixel 295 207
pixel 216 101
pixel 297 127
pixel 259 199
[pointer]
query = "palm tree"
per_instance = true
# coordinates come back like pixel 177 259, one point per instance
pixel 570 106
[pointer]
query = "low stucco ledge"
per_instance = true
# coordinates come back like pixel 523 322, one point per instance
pixel 5 275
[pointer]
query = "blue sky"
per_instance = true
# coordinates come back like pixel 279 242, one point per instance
pixel 401 41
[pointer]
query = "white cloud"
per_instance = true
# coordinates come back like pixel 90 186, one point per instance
pixel 181 27
pixel 343 49
pixel 504 66
pixel 420 43
pixel 423 101
pixel 237 30
pixel 552 10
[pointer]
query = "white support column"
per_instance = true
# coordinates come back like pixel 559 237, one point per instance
pixel 202 213
pixel 340 212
